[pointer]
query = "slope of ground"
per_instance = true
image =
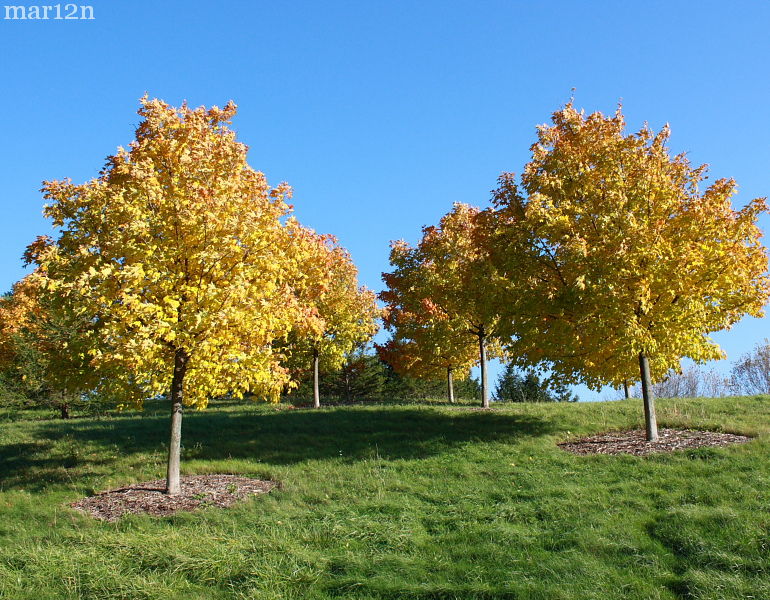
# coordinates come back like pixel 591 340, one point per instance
pixel 390 502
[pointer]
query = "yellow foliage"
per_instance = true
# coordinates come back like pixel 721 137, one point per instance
pixel 178 246
pixel 614 251
pixel 339 314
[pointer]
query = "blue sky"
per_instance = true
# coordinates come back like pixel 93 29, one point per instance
pixel 381 114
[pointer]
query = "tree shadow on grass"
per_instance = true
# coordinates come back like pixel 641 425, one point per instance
pixel 35 466
pixel 281 437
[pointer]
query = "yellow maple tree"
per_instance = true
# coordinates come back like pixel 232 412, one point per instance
pixel 180 251
pixel 617 264
pixel 339 314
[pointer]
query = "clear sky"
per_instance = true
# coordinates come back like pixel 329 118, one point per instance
pixel 381 114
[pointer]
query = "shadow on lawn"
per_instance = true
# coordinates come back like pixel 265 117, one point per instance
pixel 280 438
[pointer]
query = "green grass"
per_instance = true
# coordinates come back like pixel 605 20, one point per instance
pixel 392 502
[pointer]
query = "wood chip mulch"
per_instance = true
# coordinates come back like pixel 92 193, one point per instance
pixel 634 442
pixel 198 491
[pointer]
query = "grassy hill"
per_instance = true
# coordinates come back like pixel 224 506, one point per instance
pixel 391 502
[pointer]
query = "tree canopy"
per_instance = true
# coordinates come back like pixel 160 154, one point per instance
pixel 613 253
pixel 184 256
pixel 439 297
pixel 42 349
pixel 340 314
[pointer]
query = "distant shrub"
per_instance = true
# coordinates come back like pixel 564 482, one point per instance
pixel 751 374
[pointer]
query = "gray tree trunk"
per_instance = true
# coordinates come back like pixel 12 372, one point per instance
pixel 175 444
pixel 64 407
pixel 450 385
pixel 483 368
pixel 348 384
pixel 316 394
pixel 626 390
pixel 650 421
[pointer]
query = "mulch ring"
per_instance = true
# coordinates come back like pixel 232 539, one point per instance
pixel 198 491
pixel 634 442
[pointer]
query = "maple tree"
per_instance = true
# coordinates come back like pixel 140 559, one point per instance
pixel 12 319
pixel 340 315
pixel 424 344
pixel 425 360
pixel 440 292
pixel 182 254
pixel 43 346
pixel 616 260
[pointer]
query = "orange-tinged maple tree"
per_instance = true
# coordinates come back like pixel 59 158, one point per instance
pixel 426 343
pixel 440 291
pixel 13 317
pixel 44 345
pixel 340 315
pixel 617 262
pixel 180 251
pixel 425 356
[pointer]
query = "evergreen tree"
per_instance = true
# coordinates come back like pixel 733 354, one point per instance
pixel 515 386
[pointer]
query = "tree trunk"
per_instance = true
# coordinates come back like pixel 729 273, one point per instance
pixel 175 443
pixel 626 390
pixel 316 394
pixel 347 387
pixel 650 421
pixel 450 385
pixel 63 406
pixel 483 368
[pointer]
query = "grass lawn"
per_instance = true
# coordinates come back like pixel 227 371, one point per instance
pixel 394 501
